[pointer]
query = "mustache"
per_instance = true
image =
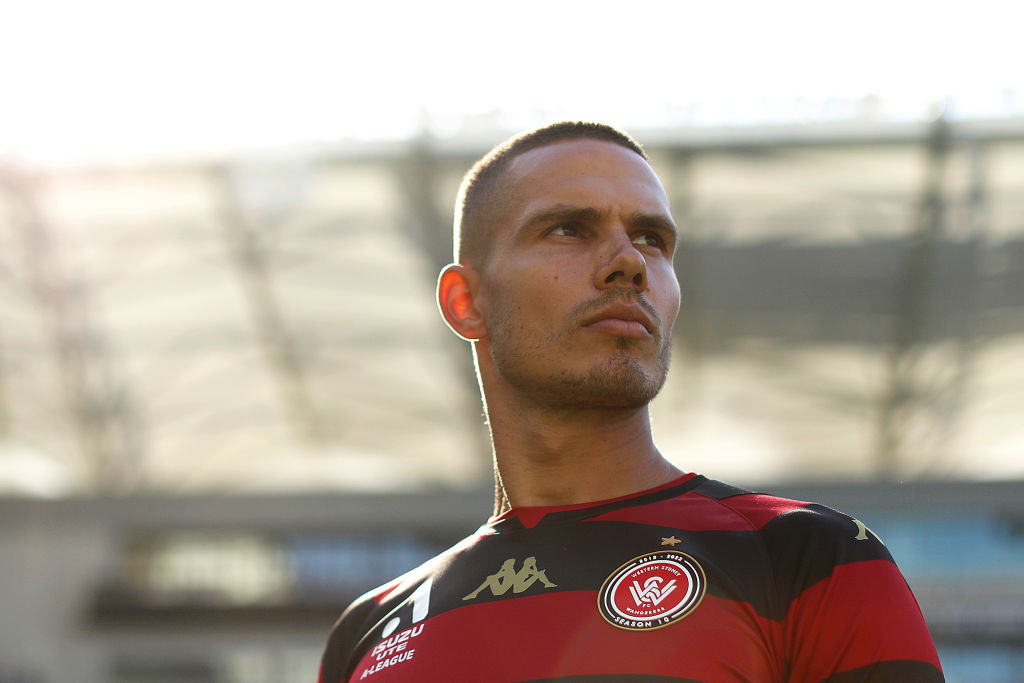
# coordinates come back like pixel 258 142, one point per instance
pixel 612 296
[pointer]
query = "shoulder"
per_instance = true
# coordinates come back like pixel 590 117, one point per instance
pixel 787 524
pixel 837 590
pixel 807 544
pixel 356 621
pixel 347 640
pixel 363 612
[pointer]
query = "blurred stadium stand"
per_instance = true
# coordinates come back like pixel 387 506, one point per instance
pixel 143 589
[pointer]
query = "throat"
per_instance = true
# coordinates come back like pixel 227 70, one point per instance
pixel 548 456
pixel 580 471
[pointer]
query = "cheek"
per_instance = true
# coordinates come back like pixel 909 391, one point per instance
pixel 670 301
pixel 526 301
pixel 538 294
pixel 676 301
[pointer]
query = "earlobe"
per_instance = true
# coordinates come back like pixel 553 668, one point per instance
pixel 456 292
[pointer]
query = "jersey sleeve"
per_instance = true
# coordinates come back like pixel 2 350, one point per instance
pixel 344 639
pixel 849 614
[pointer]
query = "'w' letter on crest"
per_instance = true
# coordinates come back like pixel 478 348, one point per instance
pixel 507 577
pixel 652 593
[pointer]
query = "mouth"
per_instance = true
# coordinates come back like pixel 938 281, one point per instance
pixel 622 320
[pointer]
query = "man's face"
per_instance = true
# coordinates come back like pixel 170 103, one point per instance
pixel 579 295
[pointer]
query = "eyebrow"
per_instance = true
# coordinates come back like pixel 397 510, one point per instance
pixel 573 212
pixel 564 212
pixel 655 221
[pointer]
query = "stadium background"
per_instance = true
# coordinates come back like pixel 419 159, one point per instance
pixel 227 403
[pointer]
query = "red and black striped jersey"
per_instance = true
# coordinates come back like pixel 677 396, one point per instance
pixel 692 581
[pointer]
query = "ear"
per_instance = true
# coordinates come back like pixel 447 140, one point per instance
pixel 456 298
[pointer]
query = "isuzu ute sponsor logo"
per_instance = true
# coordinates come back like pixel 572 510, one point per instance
pixel 652 591
pixel 392 651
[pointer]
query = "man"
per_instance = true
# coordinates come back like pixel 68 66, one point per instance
pixel 603 561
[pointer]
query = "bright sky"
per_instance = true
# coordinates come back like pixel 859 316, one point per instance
pixel 83 79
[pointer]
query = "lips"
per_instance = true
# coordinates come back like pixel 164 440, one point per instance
pixel 622 319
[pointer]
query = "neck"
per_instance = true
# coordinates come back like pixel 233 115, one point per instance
pixel 547 458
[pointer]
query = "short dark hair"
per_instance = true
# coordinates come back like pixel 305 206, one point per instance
pixel 481 186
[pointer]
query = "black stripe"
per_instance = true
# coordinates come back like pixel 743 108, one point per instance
pixel 766 570
pixel 807 544
pixel 582 556
pixel 895 671
pixel 718 490
pixel 613 678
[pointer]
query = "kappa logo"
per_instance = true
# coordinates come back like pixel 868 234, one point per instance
pixel 863 531
pixel 652 591
pixel 507 577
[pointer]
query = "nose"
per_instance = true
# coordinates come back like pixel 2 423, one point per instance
pixel 623 266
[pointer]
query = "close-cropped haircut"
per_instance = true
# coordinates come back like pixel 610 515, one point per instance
pixel 481 196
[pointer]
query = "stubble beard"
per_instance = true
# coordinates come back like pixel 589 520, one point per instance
pixel 619 381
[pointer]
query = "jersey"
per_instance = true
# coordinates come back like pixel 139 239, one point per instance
pixel 692 581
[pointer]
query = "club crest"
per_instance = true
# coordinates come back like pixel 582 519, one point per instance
pixel 652 591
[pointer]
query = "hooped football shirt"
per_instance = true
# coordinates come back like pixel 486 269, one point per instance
pixel 691 581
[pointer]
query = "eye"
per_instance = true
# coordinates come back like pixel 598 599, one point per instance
pixel 649 238
pixel 566 230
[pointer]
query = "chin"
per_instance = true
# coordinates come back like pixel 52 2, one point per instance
pixel 626 377
pixel 613 385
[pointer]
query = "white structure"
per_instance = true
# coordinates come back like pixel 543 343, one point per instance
pixel 853 307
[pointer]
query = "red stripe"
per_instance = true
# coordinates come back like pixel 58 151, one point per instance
pixel 529 517
pixel 760 508
pixel 563 634
pixel 385 590
pixel 862 614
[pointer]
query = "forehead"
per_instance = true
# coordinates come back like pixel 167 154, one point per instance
pixel 593 172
